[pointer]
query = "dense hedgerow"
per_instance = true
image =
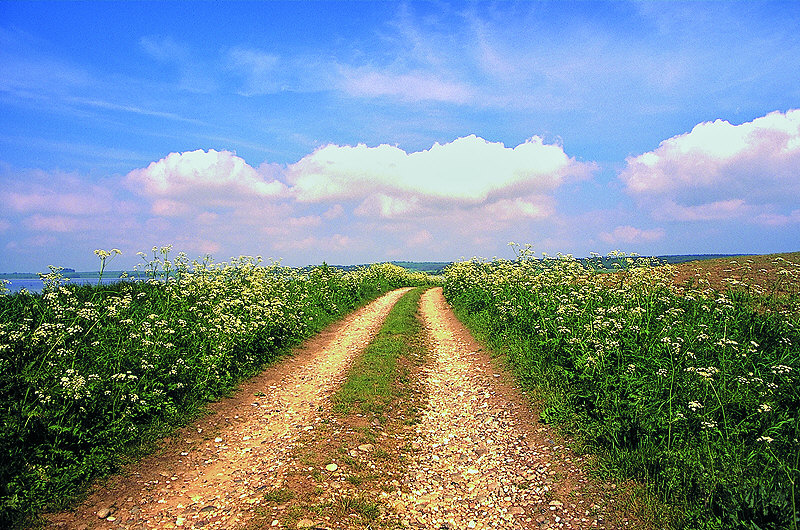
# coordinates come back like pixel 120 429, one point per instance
pixel 90 373
pixel 691 390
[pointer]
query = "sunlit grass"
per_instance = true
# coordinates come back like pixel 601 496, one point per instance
pixel 690 389
pixel 370 383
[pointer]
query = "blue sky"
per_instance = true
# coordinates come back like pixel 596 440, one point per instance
pixel 356 132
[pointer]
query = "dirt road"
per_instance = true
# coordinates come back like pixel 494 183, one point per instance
pixel 214 472
pixel 478 459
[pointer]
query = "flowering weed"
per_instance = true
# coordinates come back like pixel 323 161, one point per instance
pixel 690 389
pixel 88 373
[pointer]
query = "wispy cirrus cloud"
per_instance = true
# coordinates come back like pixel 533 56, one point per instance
pixel 133 109
pixel 258 72
pixel 409 86
pixel 26 72
pixel 164 48
pixel 195 74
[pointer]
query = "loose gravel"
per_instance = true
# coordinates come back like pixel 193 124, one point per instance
pixel 481 461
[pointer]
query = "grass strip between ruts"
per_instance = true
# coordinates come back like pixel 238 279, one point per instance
pixel 366 432
pixel 370 383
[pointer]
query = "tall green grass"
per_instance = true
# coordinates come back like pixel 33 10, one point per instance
pixel 88 374
pixel 693 391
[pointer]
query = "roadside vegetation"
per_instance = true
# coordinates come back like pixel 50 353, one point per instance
pixel 682 379
pixel 89 374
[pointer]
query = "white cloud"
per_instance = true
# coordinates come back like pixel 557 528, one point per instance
pixel 381 205
pixel 629 234
pixel 201 178
pixel 532 207
pixel 712 153
pixel 720 170
pixel 468 170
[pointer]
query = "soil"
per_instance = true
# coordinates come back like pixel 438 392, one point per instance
pixel 762 270
pixel 462 450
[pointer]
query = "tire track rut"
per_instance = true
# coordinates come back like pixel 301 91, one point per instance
pixel 482 460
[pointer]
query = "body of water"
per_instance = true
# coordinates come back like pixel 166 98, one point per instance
pixel 35 285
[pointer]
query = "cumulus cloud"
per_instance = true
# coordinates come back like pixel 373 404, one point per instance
pixel 201 178
pixel 720 170
pixel 630 234
pixel 469 170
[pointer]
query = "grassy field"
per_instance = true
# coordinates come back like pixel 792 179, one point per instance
pixel 90 374
pixel 676 376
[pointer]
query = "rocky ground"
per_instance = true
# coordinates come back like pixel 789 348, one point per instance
pixel 481 460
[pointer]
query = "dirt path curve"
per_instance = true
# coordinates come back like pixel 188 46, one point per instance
pixel 482 460
pixel 214 472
